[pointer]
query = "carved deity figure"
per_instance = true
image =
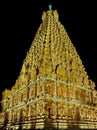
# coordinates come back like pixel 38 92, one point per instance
pixel 40 109
pixel 54 110
pixel 60 110
pixel 33 111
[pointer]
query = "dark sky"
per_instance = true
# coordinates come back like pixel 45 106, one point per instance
pixel 19 22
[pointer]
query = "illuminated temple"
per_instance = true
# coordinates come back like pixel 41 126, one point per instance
pixel 53 90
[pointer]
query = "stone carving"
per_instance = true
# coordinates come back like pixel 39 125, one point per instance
pixel 56 16
pixel 54 110
pixel 40 109
pixel 53 83
pixel 33 111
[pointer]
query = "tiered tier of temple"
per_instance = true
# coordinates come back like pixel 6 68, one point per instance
pixel 53 89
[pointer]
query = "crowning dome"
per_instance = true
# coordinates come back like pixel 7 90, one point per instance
pixel 53 89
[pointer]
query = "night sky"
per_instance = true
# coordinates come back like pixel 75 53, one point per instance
pixel 19 22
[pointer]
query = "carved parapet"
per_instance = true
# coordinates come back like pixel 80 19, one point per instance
pixel 15 101
pixel 87 96
pixel 59 90
pixel 23 70
pixel 61 73
pixel 43 16
pixel 25 94
pixel 5 94
pixel 40 88
pixel 32 92
pixel 20 96
pixel 95 97
pixel 81 94
pixel 92 84
pixel 33 74
pixel 20 81
pixel 70 91
pixel 86 81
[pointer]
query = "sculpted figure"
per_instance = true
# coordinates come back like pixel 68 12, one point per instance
pixel 54 111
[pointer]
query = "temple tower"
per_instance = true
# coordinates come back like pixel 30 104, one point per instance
pixel 53 89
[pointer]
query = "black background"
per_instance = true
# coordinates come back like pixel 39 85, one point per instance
pixel 19 22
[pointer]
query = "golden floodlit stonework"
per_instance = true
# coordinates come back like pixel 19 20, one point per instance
pixel 53 90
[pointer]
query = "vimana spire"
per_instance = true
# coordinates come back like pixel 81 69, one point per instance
pixel 53 90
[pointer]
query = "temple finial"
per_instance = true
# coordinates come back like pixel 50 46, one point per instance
pixel 50 6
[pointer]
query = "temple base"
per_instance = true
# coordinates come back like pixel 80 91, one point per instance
pixel 48 124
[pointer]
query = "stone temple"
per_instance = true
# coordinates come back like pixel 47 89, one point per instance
pixel 53 90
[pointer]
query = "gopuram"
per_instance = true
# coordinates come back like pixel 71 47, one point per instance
pixel 53 90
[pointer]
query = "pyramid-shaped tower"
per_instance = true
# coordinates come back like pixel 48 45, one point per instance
pixel 53 89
